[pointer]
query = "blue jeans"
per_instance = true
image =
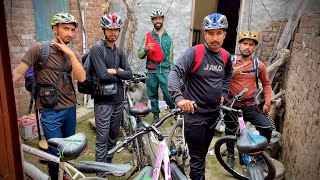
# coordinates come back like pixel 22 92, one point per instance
pixel 57 124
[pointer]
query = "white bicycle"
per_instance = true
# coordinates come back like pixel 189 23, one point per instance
pixel 70 148
pixel 163 164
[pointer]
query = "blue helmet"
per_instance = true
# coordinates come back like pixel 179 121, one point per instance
pixel 215 21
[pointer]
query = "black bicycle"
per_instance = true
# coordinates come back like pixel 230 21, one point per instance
pixel 250 160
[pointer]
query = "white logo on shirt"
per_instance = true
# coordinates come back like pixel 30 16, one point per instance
pixel 211 67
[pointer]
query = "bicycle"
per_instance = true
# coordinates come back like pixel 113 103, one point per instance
pixel 250 158
pixel 70 148
pixel 177 143
pixel 153 171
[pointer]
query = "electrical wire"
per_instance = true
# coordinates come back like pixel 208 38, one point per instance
pixel 12 28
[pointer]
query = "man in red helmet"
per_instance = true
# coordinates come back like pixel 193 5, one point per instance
pixel 111 67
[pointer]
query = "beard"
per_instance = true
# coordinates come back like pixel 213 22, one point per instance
pixel 158 27
pixel 245 55
pixel 112 39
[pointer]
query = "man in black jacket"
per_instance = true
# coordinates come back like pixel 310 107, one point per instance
pixel 207 87
pixel 110 67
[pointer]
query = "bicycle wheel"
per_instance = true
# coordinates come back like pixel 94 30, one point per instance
pixel 177 146
pixel 146 150
pixel 239 169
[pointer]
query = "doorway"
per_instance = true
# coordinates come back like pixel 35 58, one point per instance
pixel 229 8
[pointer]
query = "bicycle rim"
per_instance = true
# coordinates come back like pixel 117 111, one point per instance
pixel 177 146
pixel 239 169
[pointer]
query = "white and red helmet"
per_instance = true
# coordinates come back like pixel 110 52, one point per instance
pixel 111 21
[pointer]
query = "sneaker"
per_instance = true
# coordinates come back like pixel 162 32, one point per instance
pixel 230 161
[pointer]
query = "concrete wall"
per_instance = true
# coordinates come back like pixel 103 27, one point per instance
pixel 177 22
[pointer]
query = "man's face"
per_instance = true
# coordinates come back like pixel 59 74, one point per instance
pixel 214 38
pixel 111 34
pixel 157 22
pixel 246 47
pixel 65 32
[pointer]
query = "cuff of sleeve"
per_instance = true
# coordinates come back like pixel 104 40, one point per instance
pixel 179 98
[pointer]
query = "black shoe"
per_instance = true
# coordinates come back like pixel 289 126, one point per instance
pixel 230 161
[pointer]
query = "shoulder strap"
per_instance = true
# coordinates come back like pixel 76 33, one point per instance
pixel 257 69
pixel 234 58
pixel 44 52
pixel 198 56
pixel 224 55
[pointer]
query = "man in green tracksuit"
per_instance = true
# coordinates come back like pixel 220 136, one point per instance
pixel 157 47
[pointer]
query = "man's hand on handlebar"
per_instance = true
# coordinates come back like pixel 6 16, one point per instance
pixel 187 106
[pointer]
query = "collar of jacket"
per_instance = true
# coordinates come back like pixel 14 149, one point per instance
pixel 107 46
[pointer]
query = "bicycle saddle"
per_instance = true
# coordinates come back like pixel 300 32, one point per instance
pixel 251 143
pixel 70 147
pixel 139 110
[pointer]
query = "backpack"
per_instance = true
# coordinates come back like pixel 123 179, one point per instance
pixel 255 70
pixel 199 55
pixel 154 54
pixel 31 78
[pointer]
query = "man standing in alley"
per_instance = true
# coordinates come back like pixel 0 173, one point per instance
pixel 55 96
pixel 158 48
pixel 206 70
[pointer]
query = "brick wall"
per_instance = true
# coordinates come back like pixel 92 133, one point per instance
pixel 21 28
pixel 301 130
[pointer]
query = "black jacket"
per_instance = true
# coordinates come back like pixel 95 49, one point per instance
pixel 101 65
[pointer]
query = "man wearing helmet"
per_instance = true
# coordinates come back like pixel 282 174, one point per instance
pixel 157 47
pixel 244 75
pixel 111 67
pixel 207 87
pixel 58 120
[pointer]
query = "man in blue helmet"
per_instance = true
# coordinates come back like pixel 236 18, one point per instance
pixel 206 86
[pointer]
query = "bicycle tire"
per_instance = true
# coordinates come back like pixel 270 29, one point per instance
pixel 175 141
pixel 238 170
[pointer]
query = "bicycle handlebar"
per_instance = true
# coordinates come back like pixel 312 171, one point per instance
pixel 136 78
pixel 144 130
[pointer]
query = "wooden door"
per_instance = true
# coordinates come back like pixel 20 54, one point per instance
pixel 10 154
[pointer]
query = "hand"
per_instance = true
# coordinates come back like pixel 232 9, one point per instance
pixel 266 108
pixel 238 70
pixel 120 69
pixel 221 100
pixel 150 46
pixel 112 71
pixel 63 47
pixel 187 106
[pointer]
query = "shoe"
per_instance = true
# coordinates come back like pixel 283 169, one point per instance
pixel 230 161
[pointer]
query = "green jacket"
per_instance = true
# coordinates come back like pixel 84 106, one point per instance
pixel 165 42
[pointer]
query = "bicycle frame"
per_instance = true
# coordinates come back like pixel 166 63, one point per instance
pixel 162 156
